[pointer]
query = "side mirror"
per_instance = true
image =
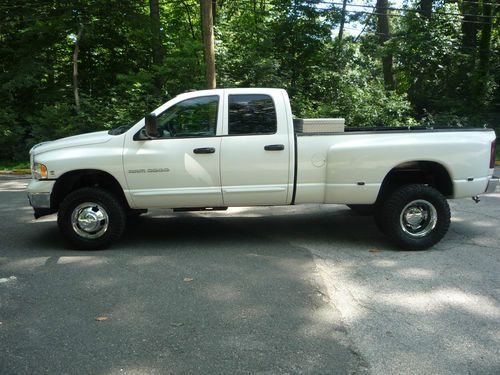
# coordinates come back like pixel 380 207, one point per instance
pixel 141 135
pixel 151 126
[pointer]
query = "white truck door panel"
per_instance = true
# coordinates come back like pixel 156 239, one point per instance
pixel 169 174
pixel 255 156
pixel 181 168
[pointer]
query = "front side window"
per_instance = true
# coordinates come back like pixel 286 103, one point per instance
pixel 195 117
pixel 251 114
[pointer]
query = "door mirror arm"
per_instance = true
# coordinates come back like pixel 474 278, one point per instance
pixel 150 131
pixel 151 126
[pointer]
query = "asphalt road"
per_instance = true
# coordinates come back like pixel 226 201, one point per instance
pixel 289 290
pixel 182 294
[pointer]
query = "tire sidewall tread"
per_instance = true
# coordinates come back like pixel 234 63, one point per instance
pixel 113 207
pixel 389 219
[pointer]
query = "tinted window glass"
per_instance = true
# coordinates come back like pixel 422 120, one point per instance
pixel 195 117
pixel 251 114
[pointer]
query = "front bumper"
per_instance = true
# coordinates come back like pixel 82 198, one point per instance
pixel 39 192
pixel 39 200
pixel 41 204
pixel 492 185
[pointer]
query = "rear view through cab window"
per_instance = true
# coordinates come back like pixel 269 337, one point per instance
pixel 251 114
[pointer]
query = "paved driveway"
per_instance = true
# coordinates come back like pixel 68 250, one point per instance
pixel 183 294
pixel 313 289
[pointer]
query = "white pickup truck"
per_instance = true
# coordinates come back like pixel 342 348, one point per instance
pixel 223 148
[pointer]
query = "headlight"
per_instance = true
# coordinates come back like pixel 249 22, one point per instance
pixel 39 171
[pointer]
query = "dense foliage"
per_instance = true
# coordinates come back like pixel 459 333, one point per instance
pixel 446 63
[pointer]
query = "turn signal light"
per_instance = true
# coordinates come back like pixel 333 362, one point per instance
pixel 40 171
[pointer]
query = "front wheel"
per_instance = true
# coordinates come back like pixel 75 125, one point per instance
pixel 91 218
pixel 414 217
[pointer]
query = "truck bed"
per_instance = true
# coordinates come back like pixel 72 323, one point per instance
pixel 350 167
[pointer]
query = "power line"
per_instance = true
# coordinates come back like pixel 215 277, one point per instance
pixel 408 10
pixel 321 2
pixel 326 2
pixel 478 2
pixel 403 15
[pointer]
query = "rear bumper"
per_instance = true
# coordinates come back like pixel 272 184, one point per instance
pixel 492 185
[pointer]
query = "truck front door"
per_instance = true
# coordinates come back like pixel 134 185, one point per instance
pixel 181 167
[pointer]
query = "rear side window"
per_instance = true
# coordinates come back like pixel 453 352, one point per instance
pixel 251 114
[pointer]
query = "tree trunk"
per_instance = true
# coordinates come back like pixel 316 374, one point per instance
pixel 470 25
pixel 75 68
pixel 207 25
pixel 342 20
pixel 156 43
pixel 214 11
pixel 425 8
pixel 484 52
pixel 188 12
pixel 485 41
pixel 384 36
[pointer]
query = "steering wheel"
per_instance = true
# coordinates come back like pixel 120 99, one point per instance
pixel 171 129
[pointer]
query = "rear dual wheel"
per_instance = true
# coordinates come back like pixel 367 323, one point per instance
pixel 414 217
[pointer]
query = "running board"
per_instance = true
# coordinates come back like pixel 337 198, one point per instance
pixel 187 209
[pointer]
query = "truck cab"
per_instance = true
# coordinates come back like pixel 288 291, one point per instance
pixel 218 148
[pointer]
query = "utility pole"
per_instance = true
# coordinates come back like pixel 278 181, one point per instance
pixel 207 26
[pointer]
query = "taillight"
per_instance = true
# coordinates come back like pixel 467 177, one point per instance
pixel 492 155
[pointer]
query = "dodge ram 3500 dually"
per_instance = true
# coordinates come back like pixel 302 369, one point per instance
pixel 238 147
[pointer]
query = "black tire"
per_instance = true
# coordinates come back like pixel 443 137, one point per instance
pixel 362 209
pixel 414 217
pixel 91 218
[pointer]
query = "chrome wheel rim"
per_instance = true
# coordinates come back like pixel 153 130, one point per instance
pixel 418 218
pixel 90 220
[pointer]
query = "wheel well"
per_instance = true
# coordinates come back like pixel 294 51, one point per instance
pixel 74 180
pixel 417 172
